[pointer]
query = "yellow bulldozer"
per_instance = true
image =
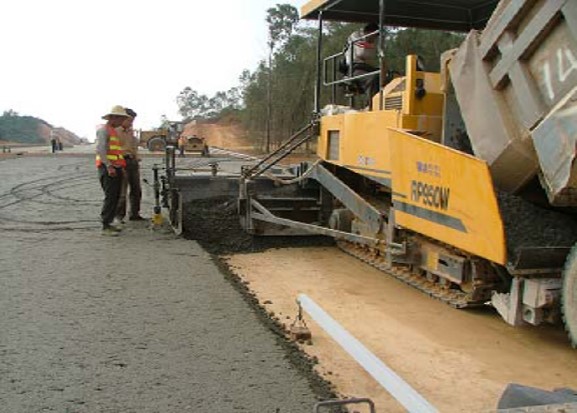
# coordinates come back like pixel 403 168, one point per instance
pixel 157 140
pixel 462 182
pixel 154 140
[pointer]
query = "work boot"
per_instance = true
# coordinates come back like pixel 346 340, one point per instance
pixel 110 231
pixel 115 228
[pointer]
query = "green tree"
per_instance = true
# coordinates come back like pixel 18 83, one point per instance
pixel 24 129
pixel 275 98
pixel 281 21
pixel 429 44
pixel 193 105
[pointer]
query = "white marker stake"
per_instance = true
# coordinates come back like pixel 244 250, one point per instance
pixel 396 386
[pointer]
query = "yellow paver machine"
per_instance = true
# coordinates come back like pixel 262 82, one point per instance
pixel 461 183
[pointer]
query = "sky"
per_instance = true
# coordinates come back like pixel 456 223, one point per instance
pixel 70 61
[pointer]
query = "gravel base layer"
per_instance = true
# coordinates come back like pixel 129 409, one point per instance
pixel 528 225
pixel 214 223
pixel 143 322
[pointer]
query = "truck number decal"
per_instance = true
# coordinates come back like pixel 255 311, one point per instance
pixel 430 195
pixel 566 63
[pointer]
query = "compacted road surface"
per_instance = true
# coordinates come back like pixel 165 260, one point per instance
pixel 144 322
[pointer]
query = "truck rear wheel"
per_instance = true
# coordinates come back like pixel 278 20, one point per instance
pixel 569 300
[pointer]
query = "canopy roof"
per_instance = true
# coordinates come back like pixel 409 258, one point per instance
pixel 453 15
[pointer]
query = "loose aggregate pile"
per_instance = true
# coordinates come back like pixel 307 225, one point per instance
pixel 528 225
pixel 214 223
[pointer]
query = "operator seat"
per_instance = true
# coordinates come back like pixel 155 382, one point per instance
pixel 355 86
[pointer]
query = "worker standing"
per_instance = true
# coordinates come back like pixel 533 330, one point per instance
pixel 110 163
pixel 181 145
pixel 53 143
pixel 130 187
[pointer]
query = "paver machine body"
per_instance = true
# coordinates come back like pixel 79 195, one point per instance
pixel 397 186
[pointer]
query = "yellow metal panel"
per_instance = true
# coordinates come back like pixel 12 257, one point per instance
pixel 329 123
pixel 363 141
pixel 311 6
pixel 411 78
pixel 446 195
pixel 433 82
pixel 432 125
pixel 432 260
pixel 432 104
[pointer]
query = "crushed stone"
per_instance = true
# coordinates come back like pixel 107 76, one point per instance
pixel 529 225
pixel 215 224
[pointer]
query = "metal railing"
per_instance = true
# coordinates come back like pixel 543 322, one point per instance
pixel 330 67
pixel 296 140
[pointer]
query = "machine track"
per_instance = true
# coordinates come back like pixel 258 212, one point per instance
pixel 455 298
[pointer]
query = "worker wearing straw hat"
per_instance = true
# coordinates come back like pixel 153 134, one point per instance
pixel 110 163
pixel 131 177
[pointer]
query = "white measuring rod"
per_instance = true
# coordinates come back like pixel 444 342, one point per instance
pixel 391 381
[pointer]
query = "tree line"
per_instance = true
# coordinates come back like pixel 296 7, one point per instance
pixel 23 129
pixel 276 98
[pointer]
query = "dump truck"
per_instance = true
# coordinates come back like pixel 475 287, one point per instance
pixel 461 183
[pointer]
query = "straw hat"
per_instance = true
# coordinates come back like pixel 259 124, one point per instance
pixel 116 111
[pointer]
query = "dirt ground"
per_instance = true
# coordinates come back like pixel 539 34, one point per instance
pixel 145 322
pixel 459 360
pixel 230 136
pixel 234 137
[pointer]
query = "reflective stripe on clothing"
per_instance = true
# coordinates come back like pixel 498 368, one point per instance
pixel 114 150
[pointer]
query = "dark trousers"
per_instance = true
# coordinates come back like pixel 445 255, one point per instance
pixel 130 181
pixel 369 84
pixel 111 187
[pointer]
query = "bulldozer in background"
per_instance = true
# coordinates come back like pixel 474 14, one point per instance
pixel 154 140
pixel 461 183
pixel 195 144
pixel 158 140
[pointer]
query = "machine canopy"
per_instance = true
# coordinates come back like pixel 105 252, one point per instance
pixel 450 15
